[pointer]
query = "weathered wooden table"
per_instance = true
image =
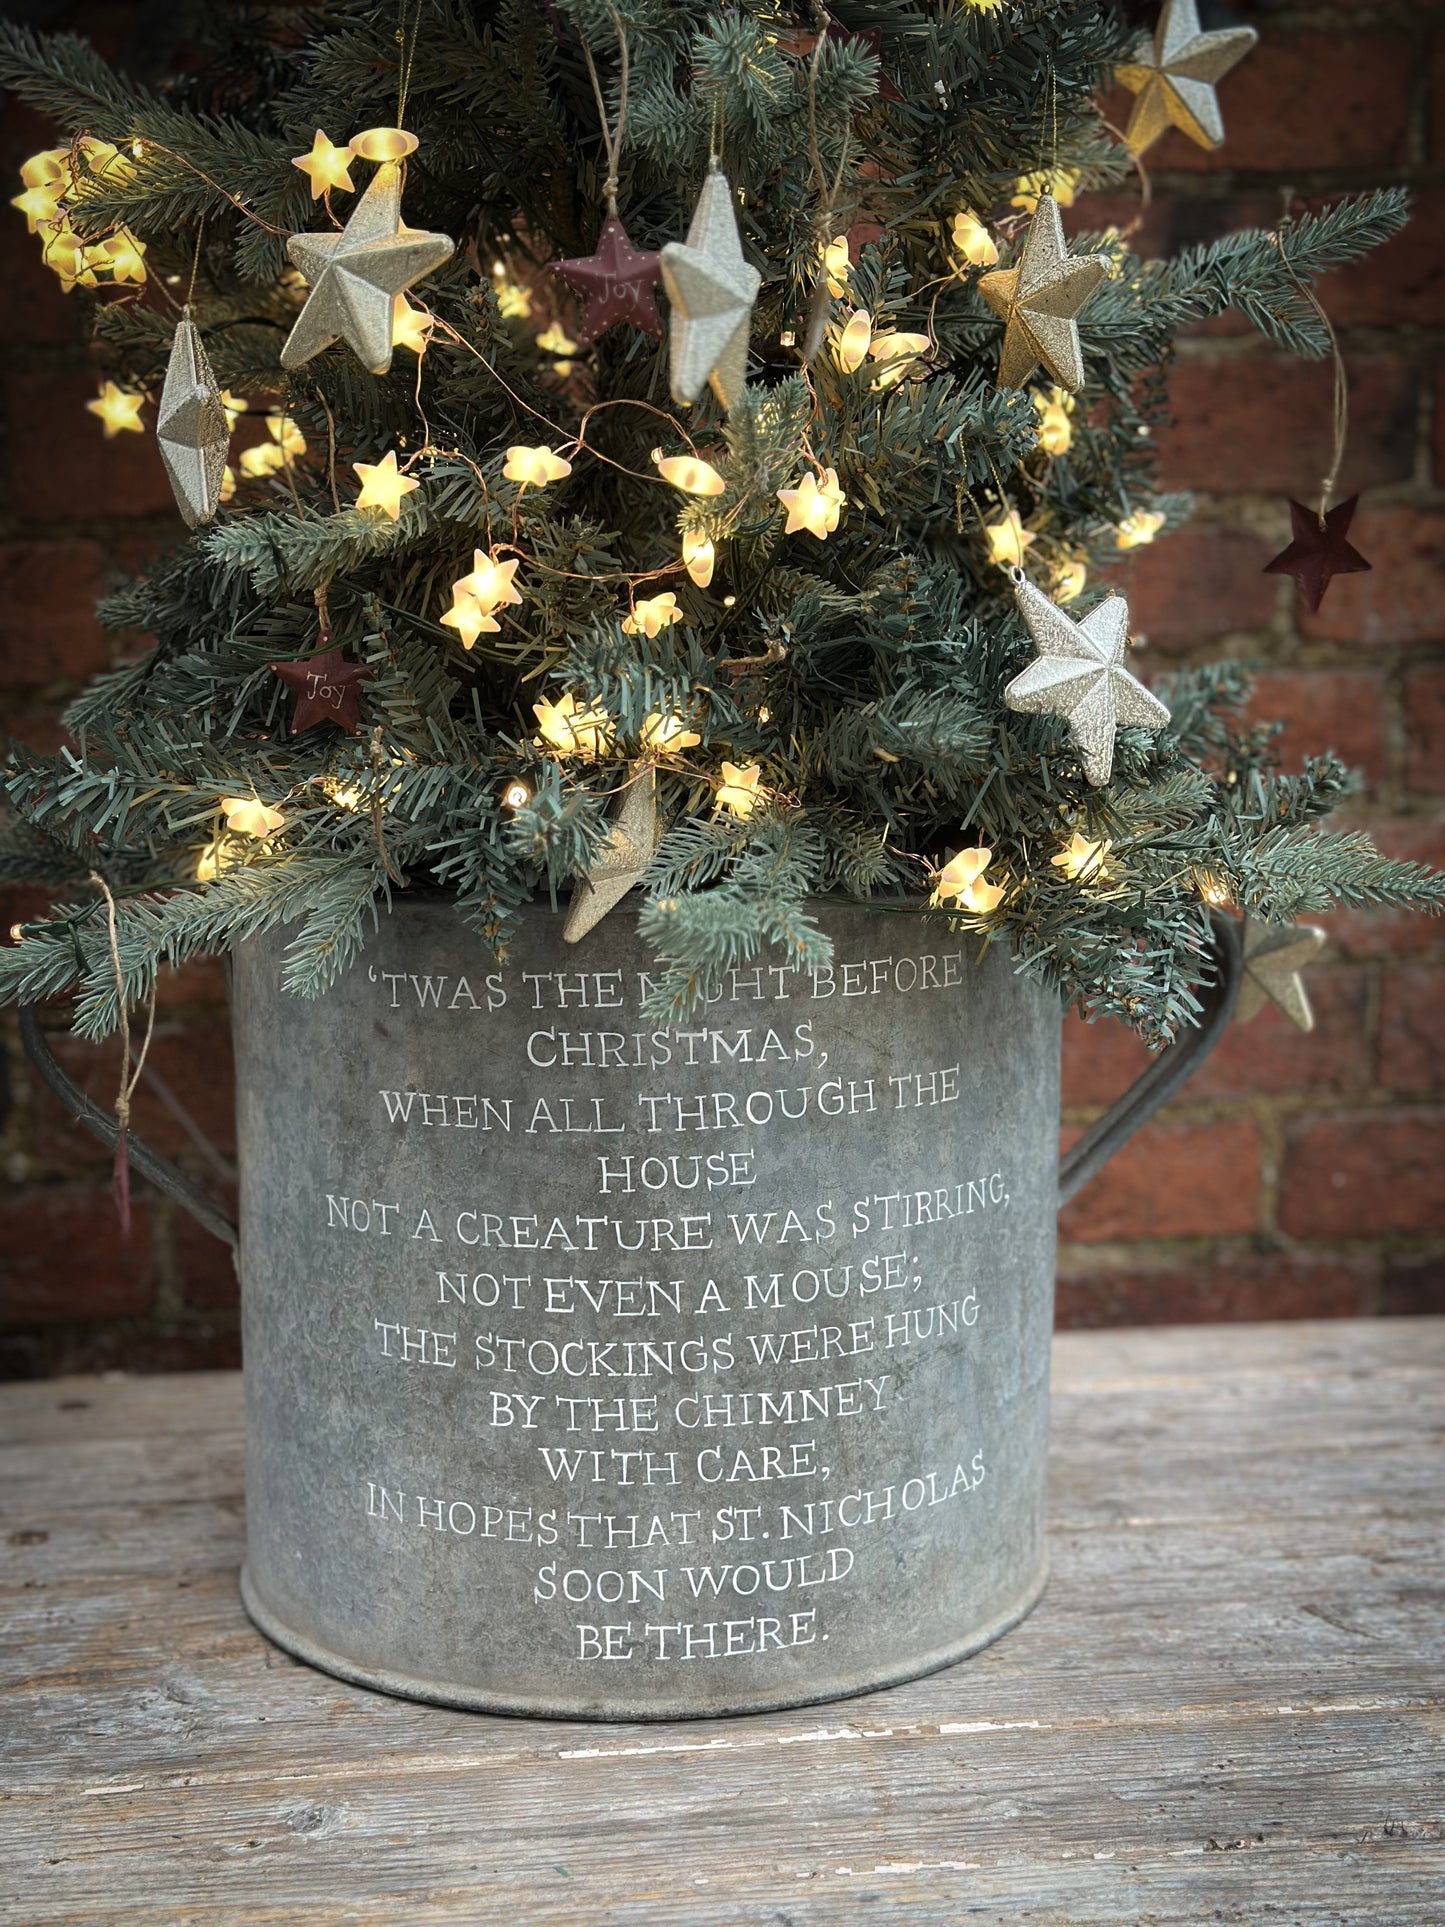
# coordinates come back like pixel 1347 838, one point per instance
pixel 1226 1709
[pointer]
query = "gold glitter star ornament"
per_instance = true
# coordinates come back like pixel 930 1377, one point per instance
pixel 622 860
pixel 192 426
pixel 356 275
pixel 1039 300
pixel 1274 956
pixel 712 288
pixel 1079 674
pixel 1173 76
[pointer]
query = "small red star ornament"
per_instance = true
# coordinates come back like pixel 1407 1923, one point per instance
pixel 617 283
pixel 1319 551
pixel 327 689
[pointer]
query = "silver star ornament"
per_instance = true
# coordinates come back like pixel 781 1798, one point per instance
pixel 712 287
pixel 1038 300
pixel 1079 674
pixel 1173 76
pixel 622 860
pixel 191 426
pixel 1274 956
pixel 356 275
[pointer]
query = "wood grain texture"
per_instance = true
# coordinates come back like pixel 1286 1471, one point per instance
pixel 1227 1709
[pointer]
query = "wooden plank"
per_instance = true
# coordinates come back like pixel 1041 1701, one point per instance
pixel 835 1820
pixel 1226 1708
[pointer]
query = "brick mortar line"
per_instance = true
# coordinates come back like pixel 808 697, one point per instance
pixel 1250 1244
pixel 1287 1105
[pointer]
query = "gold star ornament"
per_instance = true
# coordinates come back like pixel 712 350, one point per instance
pixel 1039 300
pixel 622 860
pixel 1079 674
pixel 1174 74
pixel 356 275
pixel 1274 956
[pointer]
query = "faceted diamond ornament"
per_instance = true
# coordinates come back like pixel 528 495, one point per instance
pixel 1079 674
pixel 622 860
pixel 191 427
pixel 1038 301
pixel 616 282
pixel 356 275
pixel 1274 956
pixel 712 288
pixel 1173 77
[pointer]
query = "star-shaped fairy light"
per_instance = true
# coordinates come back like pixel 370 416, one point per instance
pixel 623 859
pixel 326 167
pixel 192 426
pixel 1274 956
pixel 383 486
pixel 1039 300
pixel 814 505
pixel 652 614
pixel 120 255
pixel 1056 431
pixel 699 556
pixel 535 467
pixel 477 597
pixel 961 882
pixel 1138 529
pixel 356 275
pixel 972 240
pixel 690 473
pixel 854 339
pixel 1319 551
pixel 411 327
pixel 1079 674
pixel 1069 576
pixel 117 408
pixel 577 729
pixel 740 791
pixel 617 283
pixel 712 288
pixel 1007 539
pixel 1174 75
pixel 248 816
pixel 1082 860
pixel 667 735
pixel 896 349
pixel 327 688
pixel 47 184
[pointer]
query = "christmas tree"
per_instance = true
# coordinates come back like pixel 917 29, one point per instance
pixel 693 455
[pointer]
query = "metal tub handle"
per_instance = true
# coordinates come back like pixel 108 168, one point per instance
pixel 160 1171
pixel 1173 1066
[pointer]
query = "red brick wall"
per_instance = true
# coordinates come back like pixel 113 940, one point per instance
pixel 1298 1175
